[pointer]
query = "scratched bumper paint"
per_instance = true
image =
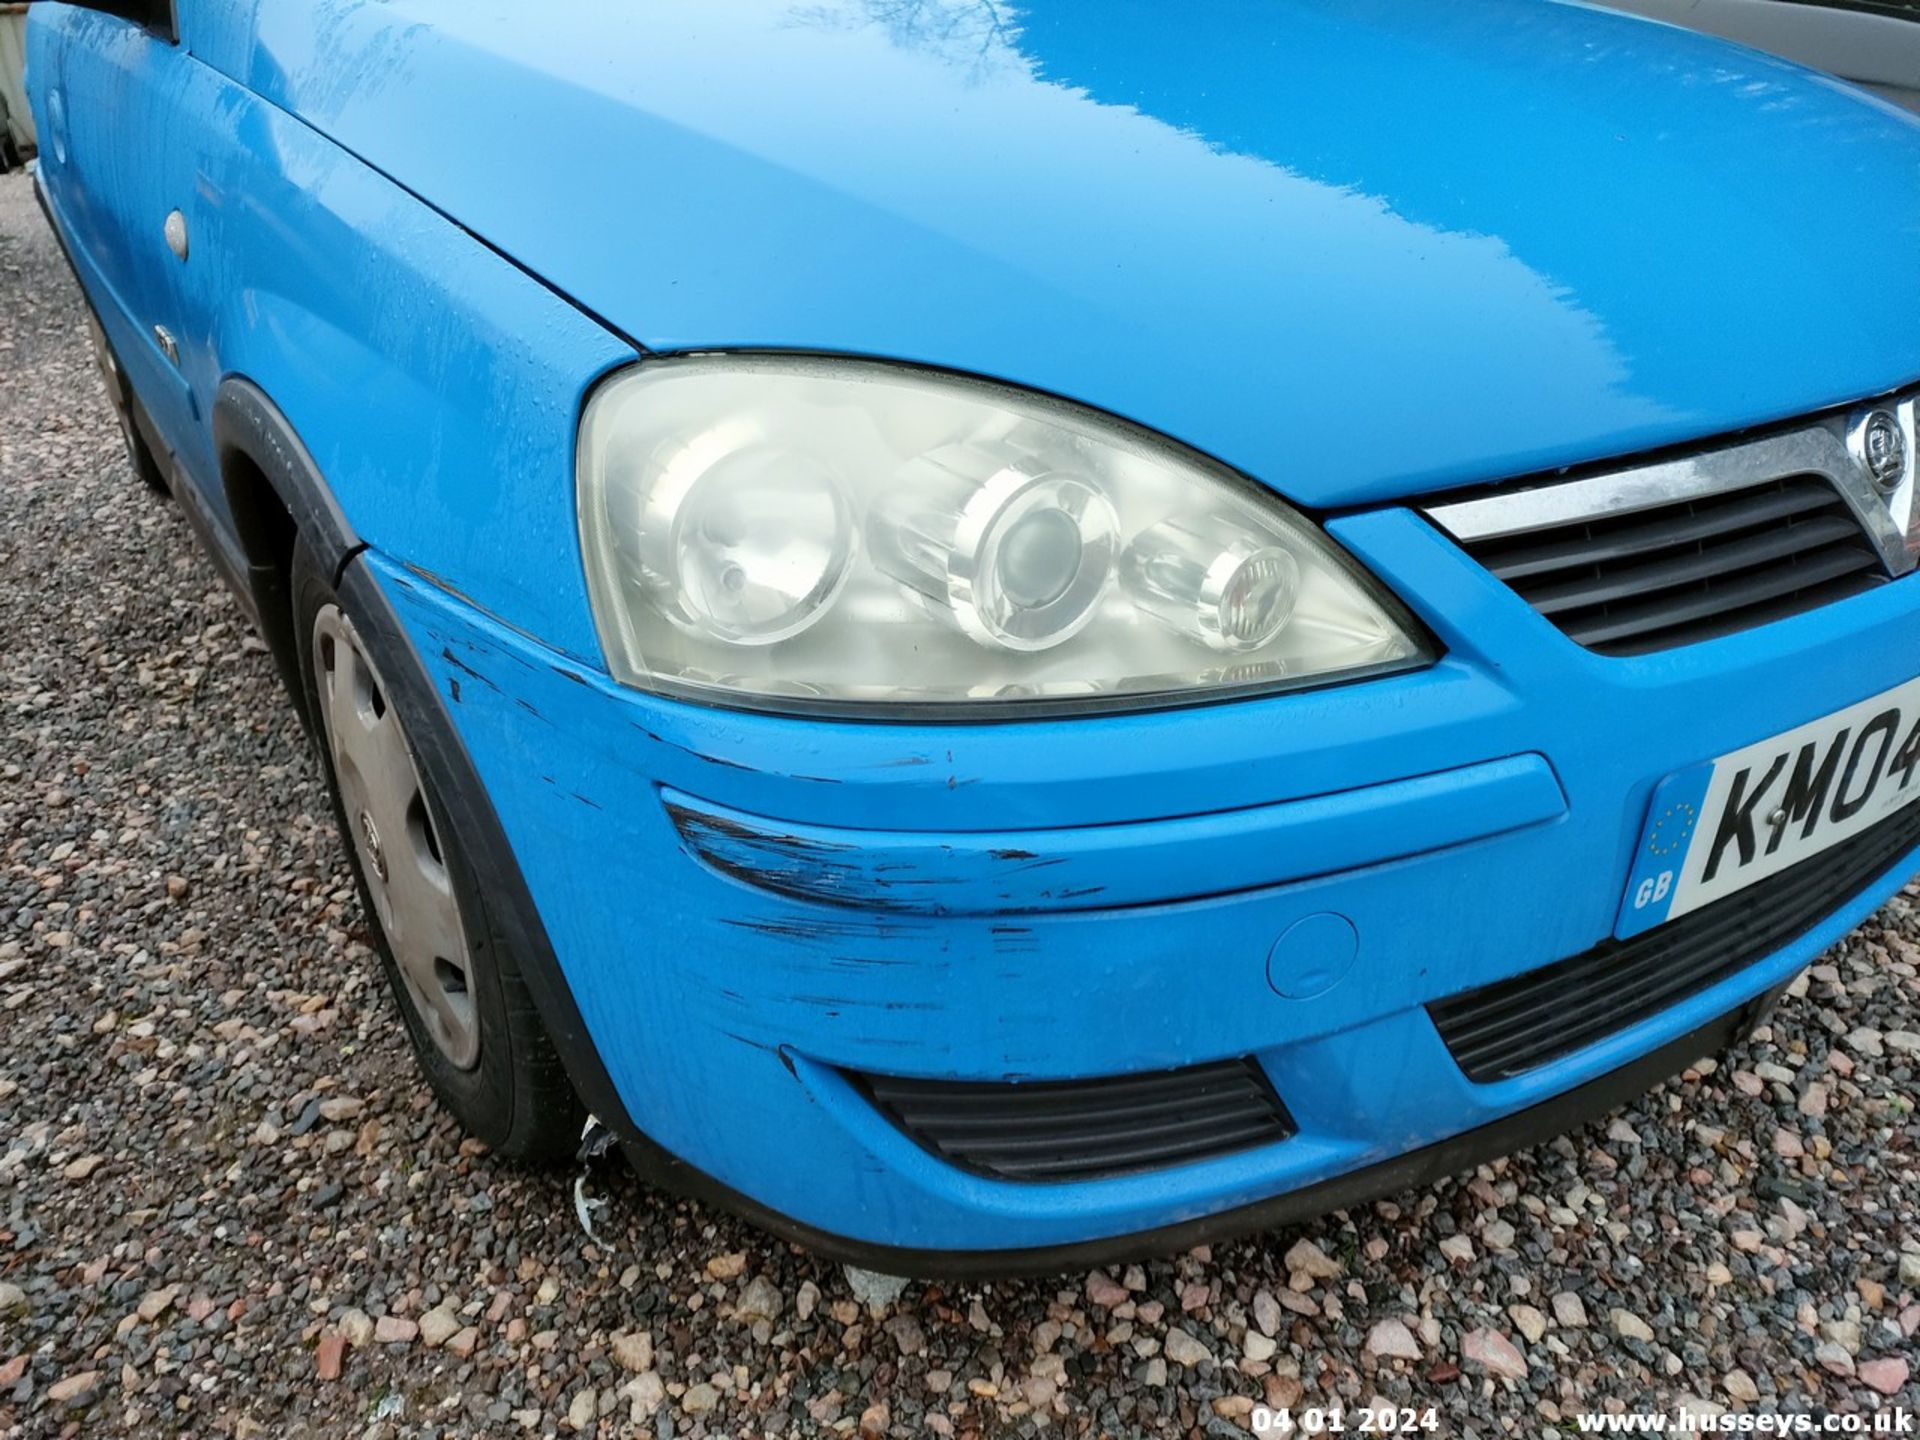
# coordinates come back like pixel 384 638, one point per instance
pixel 733 962
pixel 1097 867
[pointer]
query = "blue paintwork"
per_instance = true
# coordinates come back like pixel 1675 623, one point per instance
pixel 435 384
pixel 1359 250
pixel 750 976
pixel 1353 247
pixel 1098 867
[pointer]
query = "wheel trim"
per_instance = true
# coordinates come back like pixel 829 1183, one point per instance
pixel 392 831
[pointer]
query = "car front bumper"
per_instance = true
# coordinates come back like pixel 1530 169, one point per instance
pixel 751 912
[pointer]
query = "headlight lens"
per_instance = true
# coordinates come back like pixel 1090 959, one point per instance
pixel 745 541
pixel 852 534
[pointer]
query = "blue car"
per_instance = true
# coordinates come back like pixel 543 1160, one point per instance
pixel 1006 635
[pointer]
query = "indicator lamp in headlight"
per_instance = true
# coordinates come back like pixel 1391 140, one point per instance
pixel 1212 581
pixel 1017 553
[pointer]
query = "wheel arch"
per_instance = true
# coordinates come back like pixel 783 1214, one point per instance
pixel 279 500
pixel 277 497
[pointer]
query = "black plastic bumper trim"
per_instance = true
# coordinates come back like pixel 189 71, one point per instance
pixel 1512 1026
pixel 1088 1129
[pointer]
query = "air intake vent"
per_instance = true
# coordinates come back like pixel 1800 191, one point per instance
pixel 1691 570
pixel 1087 1129
pixel 1516 1025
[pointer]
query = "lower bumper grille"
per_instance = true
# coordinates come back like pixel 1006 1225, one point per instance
pixel 1086 1129
pixel 1507 1029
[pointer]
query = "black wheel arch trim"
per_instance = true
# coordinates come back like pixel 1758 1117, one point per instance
pixel 456 783
pixel 248 425
pixel 252 437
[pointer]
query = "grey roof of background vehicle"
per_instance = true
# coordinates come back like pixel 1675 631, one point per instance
pixel 1875 45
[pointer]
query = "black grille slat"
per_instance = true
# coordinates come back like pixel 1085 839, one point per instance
pixel 1018 1121
pixel 1596 974
pixel 1576 1010
pixel 1731 622
pixel 1690 570
pixel 1182 1130
pixel 1739 593
pixel 1121 1159
pixel 1064 1094
pixel 1516 1025
pixel 1510 1049
pixel 1086 1129
pixel 1667 572
pixel 1518 558
pixel 1597 985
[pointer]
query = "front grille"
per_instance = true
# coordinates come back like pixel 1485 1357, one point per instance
pixel 1086 1129
pixel 1690 570
pixel 1509 1028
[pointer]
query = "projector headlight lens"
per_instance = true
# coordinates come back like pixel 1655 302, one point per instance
pixel 803 533
pixel 1016 554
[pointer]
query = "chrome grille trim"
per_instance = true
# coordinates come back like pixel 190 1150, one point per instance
pixel 1815 447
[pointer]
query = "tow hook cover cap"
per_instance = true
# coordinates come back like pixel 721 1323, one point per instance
pixel 1312 956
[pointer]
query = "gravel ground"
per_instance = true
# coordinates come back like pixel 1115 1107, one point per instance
pixel 227 1207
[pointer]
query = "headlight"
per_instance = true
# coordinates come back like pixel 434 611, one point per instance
pixel 852 534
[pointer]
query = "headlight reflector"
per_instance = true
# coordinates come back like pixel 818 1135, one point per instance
pixel 740 540
pixel 855 534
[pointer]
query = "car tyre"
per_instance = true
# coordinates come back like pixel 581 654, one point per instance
pixel 460 990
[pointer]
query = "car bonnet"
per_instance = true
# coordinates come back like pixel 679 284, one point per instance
pixel 1360 249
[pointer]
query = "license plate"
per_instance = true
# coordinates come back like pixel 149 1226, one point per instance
pixel 1720 826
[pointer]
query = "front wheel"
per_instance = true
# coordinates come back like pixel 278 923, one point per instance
pixel 460 991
